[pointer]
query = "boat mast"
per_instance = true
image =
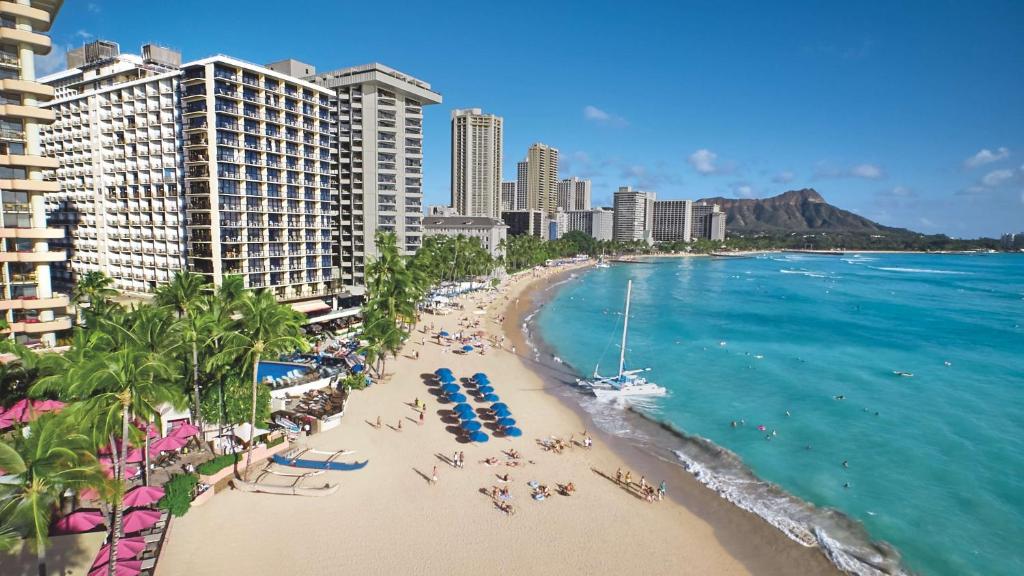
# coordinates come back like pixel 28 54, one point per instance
pixel 625 328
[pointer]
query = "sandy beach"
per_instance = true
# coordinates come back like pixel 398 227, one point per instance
pixel 388 519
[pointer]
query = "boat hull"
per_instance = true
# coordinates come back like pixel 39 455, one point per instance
pixel 319 464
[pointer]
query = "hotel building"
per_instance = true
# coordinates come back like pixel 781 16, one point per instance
pixel 380 160
pixel 260 177
pixel 118 141
pixel 708 222
pixel 32 312
pixel 542 179
pixel 598 223
pixel 522 177
pixel 673 221
pixel 490 231
pixel 634 215
pixel 573 194
pixel 476 163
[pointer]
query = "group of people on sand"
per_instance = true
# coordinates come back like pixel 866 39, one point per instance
pixel 646 491
pixel 557 445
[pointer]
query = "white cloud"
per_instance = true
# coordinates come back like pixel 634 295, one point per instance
pixel 986 156
pixel 55 61
pixel 868 171
pixel 85 35
pixel 595 114
pixel 784 177
pixel 93 7
pixel 744 191
pixel 703 161
pixel 902 192
pixel 997 177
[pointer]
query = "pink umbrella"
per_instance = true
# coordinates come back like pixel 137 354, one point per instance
pixel 143 495
pixel 5 422
pixel 134 455
pixel 168 444
pixel 79 521
pixel 48 406
pixel 126 548
pixel 89 494
pixel 124 568
pixel 140 519
pixel 184 430
pixel 108 468
pixel 153 431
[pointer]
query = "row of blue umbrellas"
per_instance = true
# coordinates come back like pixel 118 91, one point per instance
pixel 465 412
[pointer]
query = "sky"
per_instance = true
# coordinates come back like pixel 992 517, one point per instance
pixel 909 113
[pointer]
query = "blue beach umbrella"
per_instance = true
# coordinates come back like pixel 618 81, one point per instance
pixel 498 405
pixel 444 334
pixel 446 378
pixel 514 432
pixel 502 413
pixel 470 426
pixel 457 397
pixel 479 376
pixel 442 371
pixel 506 421
pixel 491 398
pixel 449 388
pixel 459 408
pixel 485 389
pixel 467 415
pixel 467 348
pixel 478 437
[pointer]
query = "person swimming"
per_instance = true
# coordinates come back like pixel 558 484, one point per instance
pixel 846 463
pixel 839 397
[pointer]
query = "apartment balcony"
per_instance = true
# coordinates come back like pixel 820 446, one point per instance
pixel 39 91
pixel 24 185
pixel 50 256
pixel 27 112
pixel 40 19
pixel 34 303
pixel 39 326
pixel 38 43
pixel 28 161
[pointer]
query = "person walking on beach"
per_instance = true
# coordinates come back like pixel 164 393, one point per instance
pixel 662 489
pixel 378 422
pixel 455 460
pixel 618 475
pixel 629 478
pixel 433 476
pixel 399 425
pixel 421 418
pixel 462 459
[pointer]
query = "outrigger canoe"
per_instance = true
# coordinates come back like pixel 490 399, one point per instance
pixel 319 464
pixel 325 490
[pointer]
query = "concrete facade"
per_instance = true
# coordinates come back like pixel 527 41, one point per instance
pixel 634 215
pixel 673 221
pixel 34 313
pixel 508 196
pixel 542 179
pixel 574 194
pixel 476 163
pixel 532 222
pixel 597 223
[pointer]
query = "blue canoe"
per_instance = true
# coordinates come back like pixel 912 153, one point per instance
pixel 319 464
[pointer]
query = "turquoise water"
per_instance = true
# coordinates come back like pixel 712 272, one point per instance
pixel 935 461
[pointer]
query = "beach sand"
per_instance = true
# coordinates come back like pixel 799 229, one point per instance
pixel 387 518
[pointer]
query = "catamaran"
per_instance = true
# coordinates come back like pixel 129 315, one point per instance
pixel 626 382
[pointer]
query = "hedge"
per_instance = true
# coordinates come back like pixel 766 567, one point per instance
pixel 217 464
pixel 178 494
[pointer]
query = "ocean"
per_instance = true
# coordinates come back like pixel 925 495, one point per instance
pixel 806 347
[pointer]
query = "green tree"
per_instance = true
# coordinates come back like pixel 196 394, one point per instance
pixel 94 289
pixel 38 467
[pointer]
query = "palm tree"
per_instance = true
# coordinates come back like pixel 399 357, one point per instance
pixel 265 329
pixel 185 295
pixel 95 289
pixel 39 466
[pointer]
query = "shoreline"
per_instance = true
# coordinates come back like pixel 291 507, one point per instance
pixel 388 517
pixel 760 546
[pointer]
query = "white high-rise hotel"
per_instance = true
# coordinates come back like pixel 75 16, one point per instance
pixel 476 163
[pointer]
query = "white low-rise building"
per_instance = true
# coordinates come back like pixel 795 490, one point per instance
pixel 490 231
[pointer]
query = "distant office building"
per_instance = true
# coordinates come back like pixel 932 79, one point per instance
pixel 33 313
pixel 708 222
pixel 490 231
pixel 380 159
pixel 476 163
pixel 673 220
pixel 532 222
pixel 558 226
pixel 634 215
pixel 574 194
pixel 508 196
pixel 522 177
pixel 598 223
pixel 542 179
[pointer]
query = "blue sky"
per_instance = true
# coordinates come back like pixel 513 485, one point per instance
pixel 909 113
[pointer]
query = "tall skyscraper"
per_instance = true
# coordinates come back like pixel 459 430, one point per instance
pixel 634 215
pixel 708 222
pixel 380 159
pixel 573 194
pixel 476 163
pixel 32 311
pixel 508 196
pixel 522 176
pixel 542 179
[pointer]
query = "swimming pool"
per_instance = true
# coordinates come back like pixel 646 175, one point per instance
pixel 277 370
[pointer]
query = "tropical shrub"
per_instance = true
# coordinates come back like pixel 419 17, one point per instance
pixel 178 494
